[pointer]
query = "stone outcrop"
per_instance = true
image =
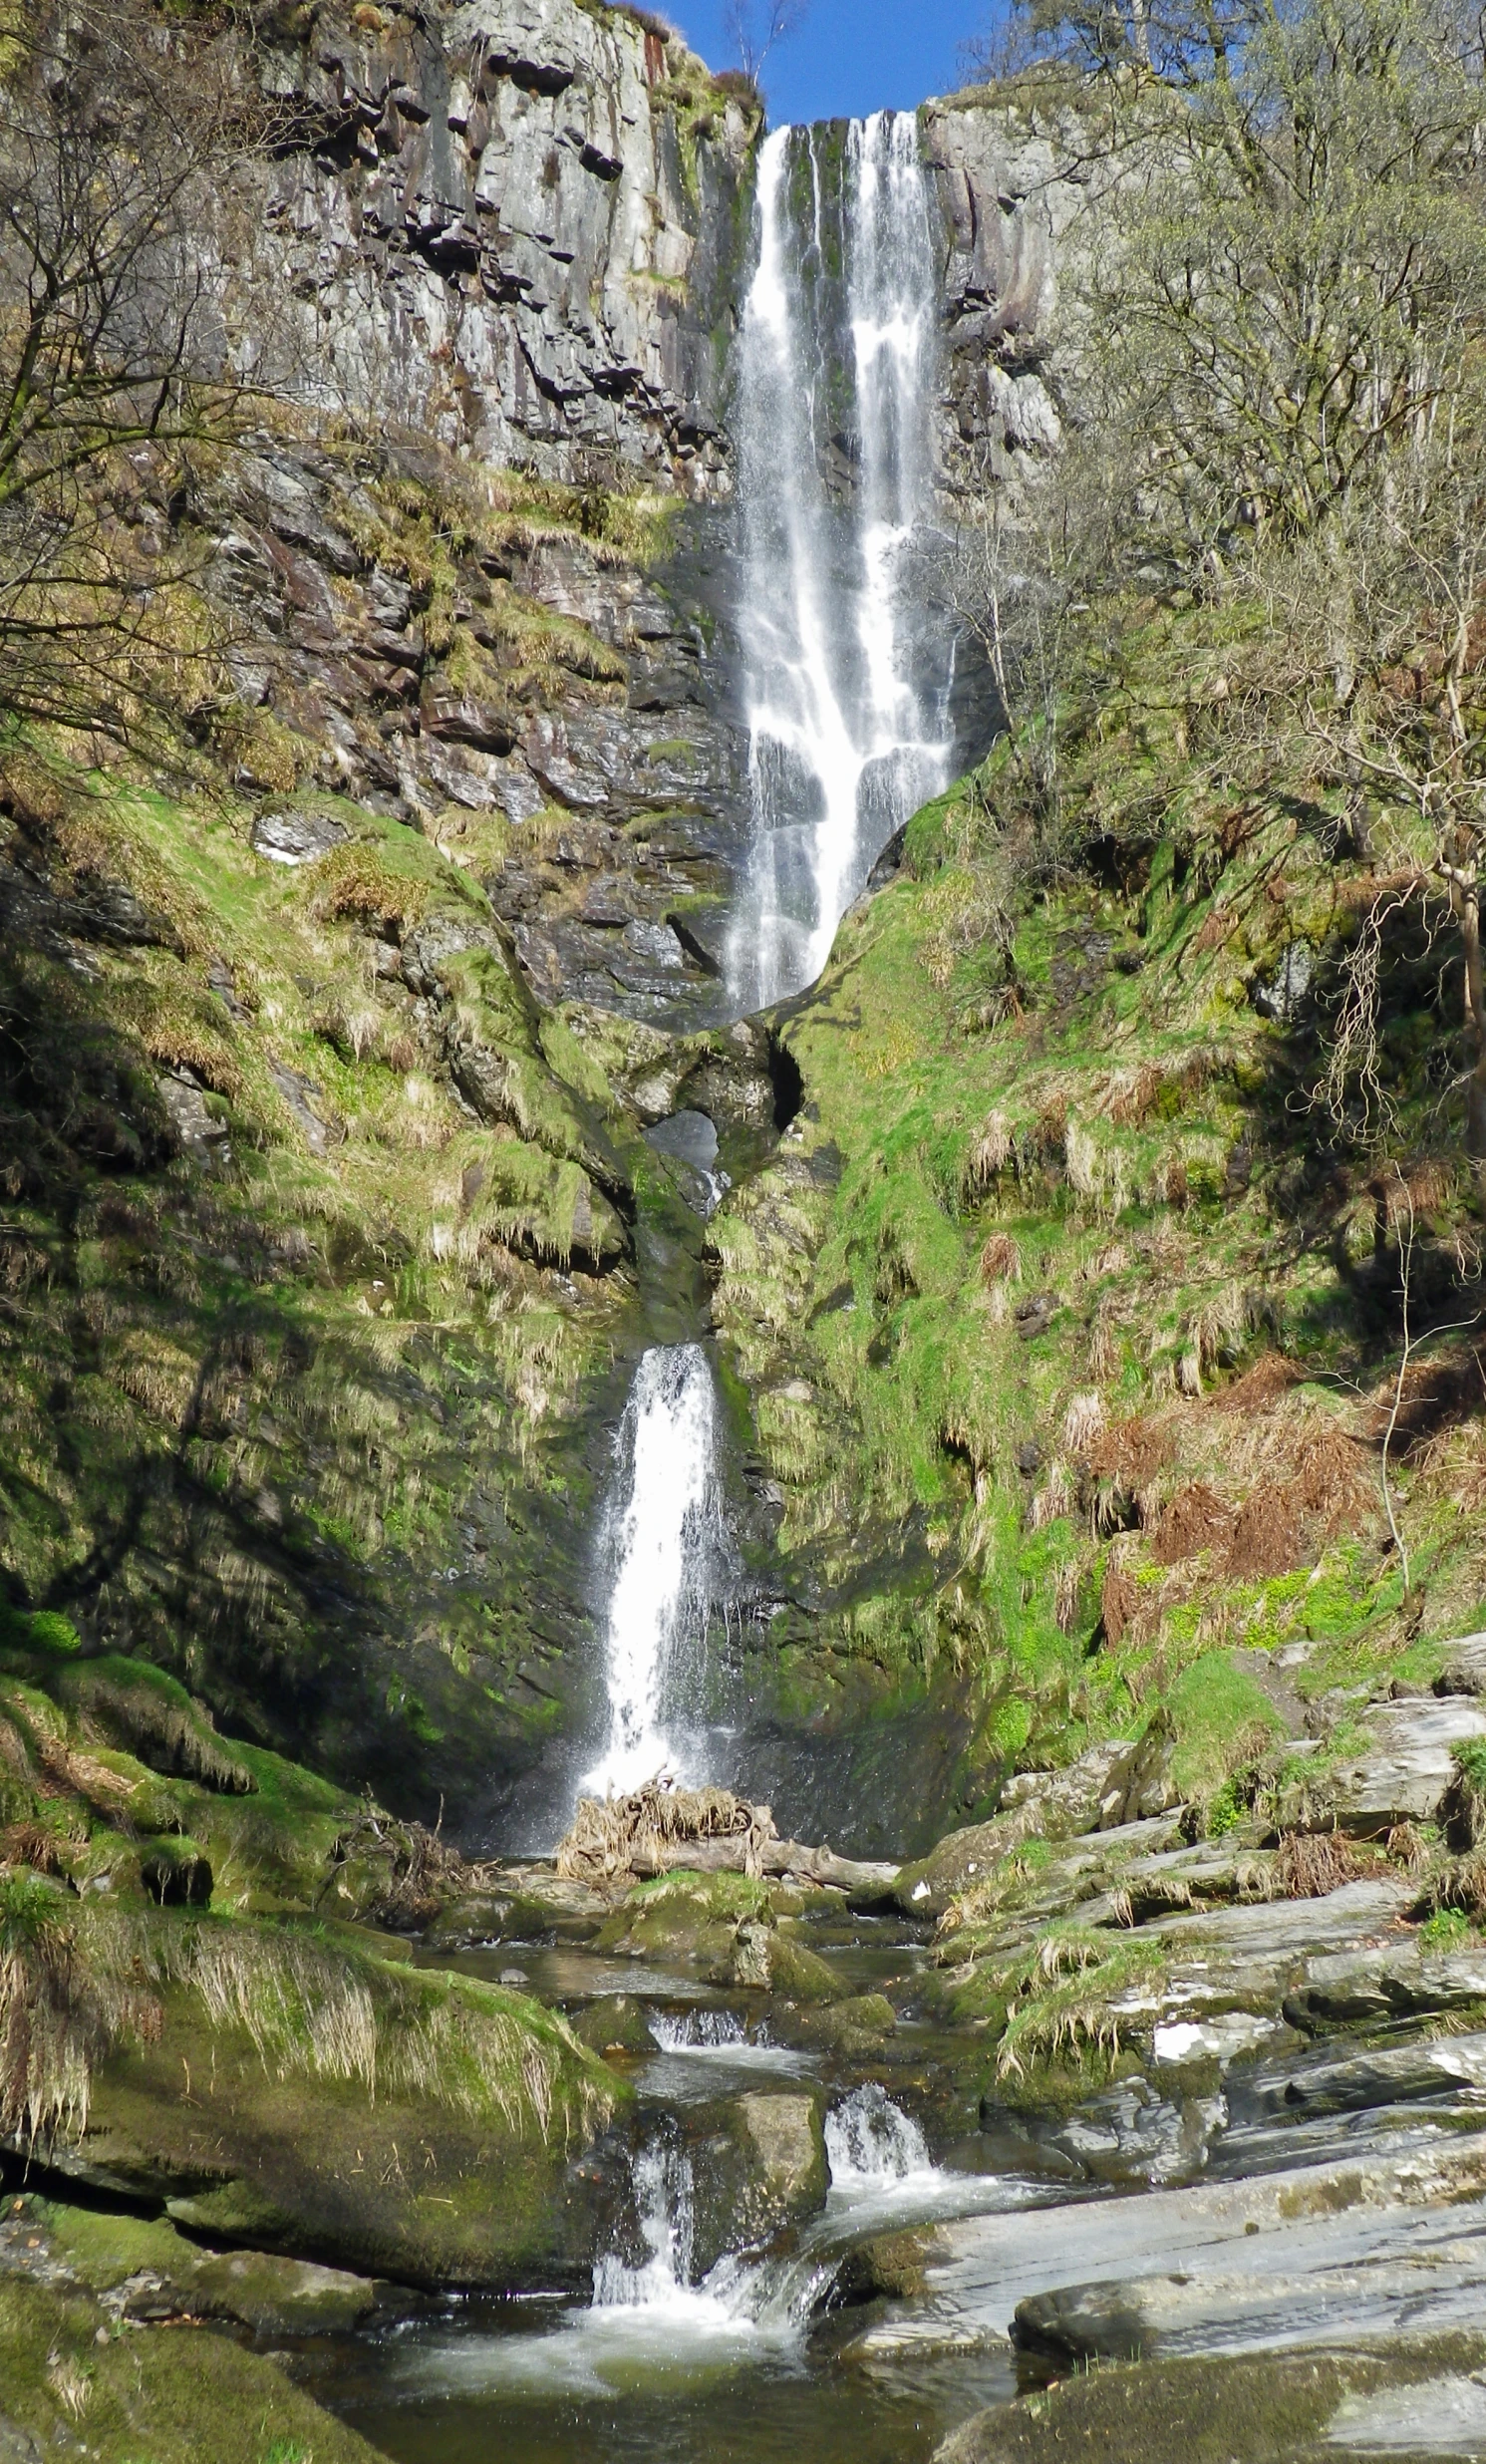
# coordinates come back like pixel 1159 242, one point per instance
pixel 511 225
pixel 1018 185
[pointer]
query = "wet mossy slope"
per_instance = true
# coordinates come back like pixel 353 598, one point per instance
pixel 1072 1314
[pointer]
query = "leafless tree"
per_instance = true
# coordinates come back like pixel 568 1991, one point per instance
pixel 118 133
pixel 755 26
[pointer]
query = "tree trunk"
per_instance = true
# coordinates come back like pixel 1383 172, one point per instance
pixel 1469 910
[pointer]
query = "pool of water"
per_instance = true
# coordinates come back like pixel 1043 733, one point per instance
pixel 679 2390
pixel 710 2052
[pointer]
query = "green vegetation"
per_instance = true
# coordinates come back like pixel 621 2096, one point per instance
pixel 72 2379
pixel 1111 1306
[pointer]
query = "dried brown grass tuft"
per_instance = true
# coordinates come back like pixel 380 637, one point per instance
pixel 59 2012
pixel 1082 1423
pixel 989 1155
pixel 1196 1518
pixel 1271 1377
pixel 1266 1538
pixel 1133 1452
pixel 1313 1863
pixel 1001 1260
pixel 1118 1601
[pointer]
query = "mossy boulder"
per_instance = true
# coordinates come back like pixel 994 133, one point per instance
pixel 616 2024
pixel 158 2273
pixel 892 2265
pixel 771 1960
pixel 317 2101
pixel 72 2383
pixel 687 1916
pixel 1294 2407
pixel 856 2026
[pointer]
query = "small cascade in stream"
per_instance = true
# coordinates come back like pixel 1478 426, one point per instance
pixel 835 400
pixel 664 1545
pixel 871 2143
pixel 663 2205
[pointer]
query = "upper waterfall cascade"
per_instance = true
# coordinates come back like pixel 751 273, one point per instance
pixel 663 1541
pixel 846 702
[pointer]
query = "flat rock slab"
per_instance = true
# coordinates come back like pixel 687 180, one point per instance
pixel 1342 2281
pixel 1417 2212
pixel 1360 1913
pixel 1422 2400
pixel 1404 1773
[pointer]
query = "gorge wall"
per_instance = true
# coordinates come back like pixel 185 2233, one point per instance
pixel 339 1233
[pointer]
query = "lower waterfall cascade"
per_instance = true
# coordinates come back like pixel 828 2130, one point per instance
pixel 661 1547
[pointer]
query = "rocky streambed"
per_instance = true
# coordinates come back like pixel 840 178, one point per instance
pixel 1100 2130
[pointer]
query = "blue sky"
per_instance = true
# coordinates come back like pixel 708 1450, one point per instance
pixel 849 57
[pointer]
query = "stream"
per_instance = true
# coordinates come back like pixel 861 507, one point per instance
pixel 745 2360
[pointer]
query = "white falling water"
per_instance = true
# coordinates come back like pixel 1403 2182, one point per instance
pixel 837 339
pixel 870 2142
pixel 664 1539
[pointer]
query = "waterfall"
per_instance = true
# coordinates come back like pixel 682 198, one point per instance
pixel 834 413
pixel 664 1542
pixel 871 2143
pixel 662 2178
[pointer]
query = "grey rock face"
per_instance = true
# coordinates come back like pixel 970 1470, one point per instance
pixel 1404 1773
pixel 1018 196
pixel 297 838
pixel 513 227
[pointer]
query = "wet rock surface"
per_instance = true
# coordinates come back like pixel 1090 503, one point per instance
pixel 1422 2401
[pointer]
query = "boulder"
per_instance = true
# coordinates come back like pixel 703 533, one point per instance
pixel 526 1904
pixel 1327 2216
pixel 462 2169
pixel 1464 1671
pixel 686 1914
pixel 70 2385
pixel 1065 1804
pixel 1416 2397
pixel 615 2025
pixel 142 2268
pixel 765 1957
pixel 1132 2133
pixel 759 2165
pixel 1404 1773
pixel 856 2026
pixel 295 838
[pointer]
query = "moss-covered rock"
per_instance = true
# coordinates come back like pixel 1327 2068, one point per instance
pixel 686 1915
pixel 759 2165
pixel 615 2025
pixel 1293 2407
pixel 269 2087
pixel 771 1961
pixel 152 2271
pixel 71 2380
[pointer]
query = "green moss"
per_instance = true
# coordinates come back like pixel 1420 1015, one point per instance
pixel 71 2377
pixel 1183 2411
pixel 1222 1718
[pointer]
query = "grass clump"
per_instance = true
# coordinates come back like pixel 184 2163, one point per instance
pixel 1074 1996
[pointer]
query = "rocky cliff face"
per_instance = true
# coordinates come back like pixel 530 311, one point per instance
pixel 513 227
pixel 519 231
pixel 1018 185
